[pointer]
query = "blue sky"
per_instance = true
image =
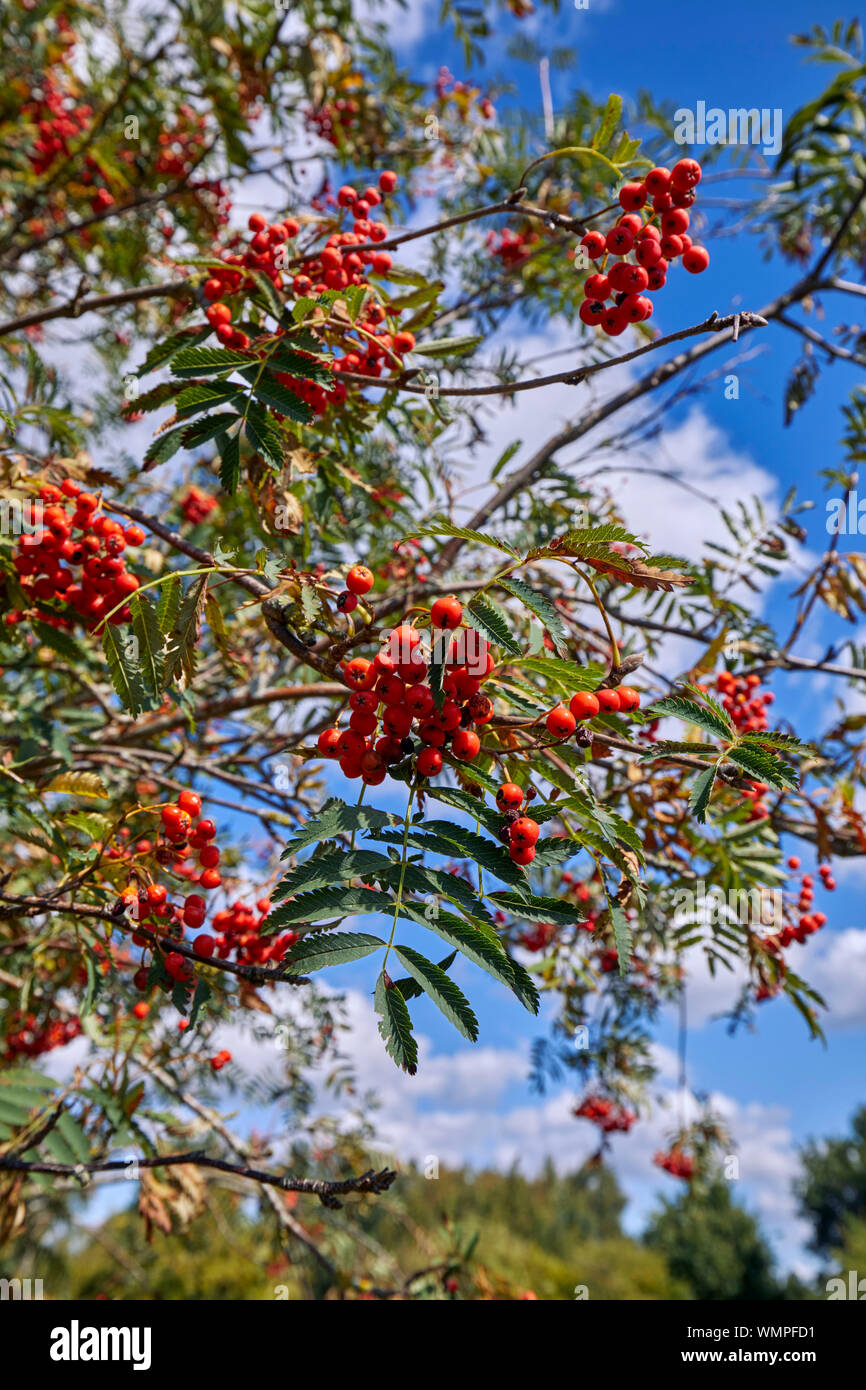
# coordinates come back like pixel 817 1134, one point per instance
pixel 774 1086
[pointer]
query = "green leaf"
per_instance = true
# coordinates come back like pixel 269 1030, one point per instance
pixel 264 436
pixel 272 392
pixel 230 462
pixel 447 347
pixel 490 620
pixel 168 605
pixel 785 743
pixel 477 848
pixel 440 526
pixel 161 353
pixel 91 823
pixel 336 818
pixel 479 944
pixel 609 122
pixel 200 999
pixel 320 903
pixel 446 995
pixel 543 609
pixel 209 427
pixel 329 948
pixel 125 674
pixel 691 713
pixel 764 766
pixel 395 1025
pixel 180 652
pixel 299 364
pixel 193 399
pixel 334 866
pixel 699 796
pixel 164 446
pixel 410 989
pixel 536 908
pixel 567 675
pixel 622 934
pixel 668 747
pixel 465 801
pixel 59 642
pixel 505 457
pixel 207 361
pixel 146 628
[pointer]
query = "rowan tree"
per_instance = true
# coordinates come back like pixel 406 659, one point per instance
pixel 229 653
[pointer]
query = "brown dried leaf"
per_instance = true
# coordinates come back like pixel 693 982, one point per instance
pixel 640 575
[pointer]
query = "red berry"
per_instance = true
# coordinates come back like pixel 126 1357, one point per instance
pixel 629 699
pixel 594 245
pixel 793 862
pixel 446 613
pixel 657 181
pixel 190 802
pixel 686 174
pixel 466 745
pixel 584 705
pixel 525 831
pixel 632 196
pixel 387 181
pixel 521 854
pixel 609 701
pixel 649 252
pixel 674 222
pixel 696 259
pixel 360 674
pixel 619 240
pixel 327 743
pixel 359 580
pixel 591 312
pixel 210 878
pixel 614 322
pixel 509 796
pixel 429 762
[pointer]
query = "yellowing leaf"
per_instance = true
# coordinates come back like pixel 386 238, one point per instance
pixel 78 784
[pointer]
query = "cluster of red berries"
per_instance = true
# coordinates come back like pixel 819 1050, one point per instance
pixel 755 793
pixel 390 694
pixel 359 581
pixel 677 1163
pixel 181 147
pixel 219 1061
pixel 29 1037
pixel 334 120
pixel 45 560
pixel 743 702
pixel 197 505
pixel 235 930
pixel 809 921
pixel 607 1114
pixel 584 704
pixel 512 248
pixel 238 930
pixel 58 120
pixel 338 264
pixel 538 938
pixel 653 239
pixel 583 893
